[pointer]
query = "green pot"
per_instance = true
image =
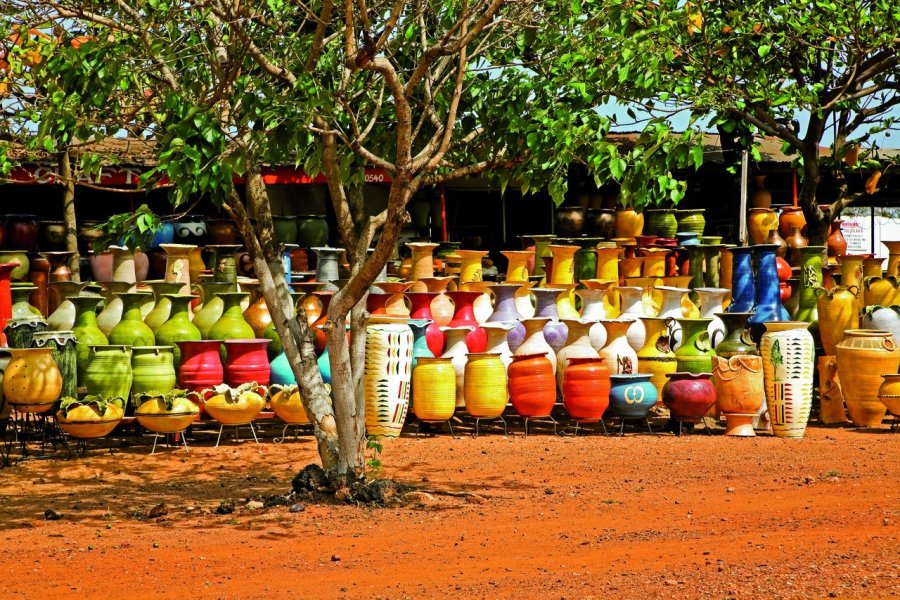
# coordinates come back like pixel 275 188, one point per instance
pixel 661 222
pixel 153 369
pixel 22 310
pixel 810 280
pixel 20 273
pixel 312 231
pixel 691 221
pixel 695 353
pixel 108 372
pixel 224 264
pixel 64 355
pixel 131 331
pixel 212 306
pixel 86 331
pixel 737 338
pixel 285 229
pixel 162 305
pixel 179 327
pixel 231 325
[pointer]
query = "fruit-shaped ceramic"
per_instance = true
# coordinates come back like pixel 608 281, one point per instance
pixel 586 388
pixel 153 369
pixel 32 382
pixel 287 405
pixel 108 372
pixel 863 357
pixel 739 391
pixel 88 420
pixel 631 396
pixel 131 330
pixel 166 415
pixel 434 389
pixel 234 406
pixel 387 374
pixel 162 306
pixel 889 393
pixel 689 396
pixel 201 366
pixel 788 355
pixel 532 388
pixel 656 358
pixel 621 359
pixel 838 311
pixel 246 361
pixel 486 385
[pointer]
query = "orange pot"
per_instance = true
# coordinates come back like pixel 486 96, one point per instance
pixel 791 216
pixel 532 385
pixel 586 388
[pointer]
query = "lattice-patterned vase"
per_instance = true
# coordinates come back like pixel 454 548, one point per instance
pixel 788 355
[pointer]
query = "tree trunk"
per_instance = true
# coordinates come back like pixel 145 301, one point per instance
pixel 295 335
pixel 817 222
pixel 65 170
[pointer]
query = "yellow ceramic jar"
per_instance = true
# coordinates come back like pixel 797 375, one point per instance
pixel 470 270
pixel 862 358
pixel 629 223
pixel 838 311
pixel 760 223
pixel 288 406
pixel 485 385
pixel 563 272
pixel 607 262
pixel 882 291
pixel 889 393
pixel 32 381
pixel 517 267
pixel 654 261
pixel 155 416
pixel 656 357
pixel 434 389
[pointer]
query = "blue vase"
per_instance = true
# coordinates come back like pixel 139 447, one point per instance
pixel 281 372
pixel 631 396
pixel 768 295
pixel 420 343
pixel 742 287
pixel 163 235
pixel 687 238
pixel 286 260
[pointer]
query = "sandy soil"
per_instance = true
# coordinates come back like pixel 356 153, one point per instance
pixel 547 516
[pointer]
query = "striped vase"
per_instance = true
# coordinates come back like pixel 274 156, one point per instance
pixel 386 377
pixel 788 354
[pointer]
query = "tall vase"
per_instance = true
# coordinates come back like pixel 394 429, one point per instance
pixel 247 361
pixel 620 356
pixel 596 305
pixel 420 349
pixel 497 343
pixel 421 310
pixel 64 355
pixel 464 316
pixel 535 343
pixel 837 244
pixel 852 272
pixel 131 330
pixel 656 356
pixel 517 265
pixel 422 260
pixel 327 267
pixel 231 325
pixel 671 308
pixel 178 327
pixel 607 262
pixel 578 345
pixel 712 256
pixel 162 306
pixel 224 265
pixel 633 308
pixel 541 244
pixel 482 306
pixel 737 338
pixel 178 261
pixel 838 310
pixel 457 351
pixel 711 301
pixel 654 262
pixel 694 354
pixel 123 264
pixel 862 358
pixel 434 389
pixel 470 271
pixel 207 313
pixel 893 265
pixel 768 296
pixel 555 331
pixel 111 314
pixel 788 354
pixel 695 256
pixel 86 331
pixel 563 265
pixel 6 269
pixel 810 281
pixel 743 287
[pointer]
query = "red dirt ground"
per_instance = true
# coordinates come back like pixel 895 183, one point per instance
pixel 549 517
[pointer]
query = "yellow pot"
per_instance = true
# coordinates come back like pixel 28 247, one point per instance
pixel 485 385
pixel 631 267
pixel 889 393
pixel 654 261
pixel 230 410
pixel 656 357
pixel 882 291
pixel 85 422
pixel 517 267
pixel 471 265
pixel 288 406
pixel 32 381
pixel 563 265
pixel 760 223
pixel 607 262
pixel 153 415
pixel 863 357
pixel 838 311
pixel 629 223
pixel 434 389
pixel 893 266
pixel 565 303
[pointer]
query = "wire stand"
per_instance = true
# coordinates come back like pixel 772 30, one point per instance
pixel 7 443
pixel 478 423
pixel 643 420
pixel 236 438
pixel 542 419
pixel 419 426
pixel 585 421
pixel 895 424
pixel 177 434
pixel 296 426
pixel 702 419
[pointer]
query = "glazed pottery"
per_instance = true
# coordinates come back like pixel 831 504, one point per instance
pixel 178 264
pixel 689 396
pixel 695 353
pixel 631 396
pixel 761 197
pixel 661 222
pixel 257 312
pixel 743 288
pixel 563 272
pixel 791 216
pixel 739 391
pixel 712 255
pixel 21 232
pixel 881 317
pixel 32 382
pixel 280 372
pixel 620 356
pixel 695 265
pixel 287 404
pixel 601 222
pixel 52 235
pixel 541 242
pixel 222 231
pixel 838 311
pixel 852 273
pixel 420 343
pixel 387 375
pixel 62 346
pixel 760 223
pixel 457 351
pixel 327 266
pixel 312 230
pixel 629 223
pixel 201 366
pixel 607 262
pixel 246 361
pixel 421 309
pixel 893 265
pixel 131 330
pixel 517 265
pixel 164 235
pixel 471 269
pixel 882 291
pixel 788 355
pixel 464 316
pixel 211 307
pixel 889 393
pixel 191 229
pixel 481 307
pixel 691 221
pixel 22 265
pixel 86 421
pixel 671 307
pixel 231 325
pixel 152 369
pixel 111 314
pixel 485 385
pixel 234 406
pixel 862 358
pixel 178 327
pixel 546 300
pixel 768 297
pixel 810 282
pixel 795 242
pixel 569 221
pixel 596 305
pixel 578 345
pixel 62 311
pixel 159 416
pixel 108 373
pixel 285 229
pixel 535 342
pixel 633 308
pixel 776 240
pixel 434 389
pixel 532 388
pixel 654 264
pixel 162 305
pixel 656 356
pixel 711 301
pixel 585 258
pixel 586 388
pixel 497 339
pixel 85 328
pixel 737 339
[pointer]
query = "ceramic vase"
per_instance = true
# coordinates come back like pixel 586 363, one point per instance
pixel 312 230
pixel 178 265
pixel 671 307
pixel 497 340
pixel 629 223
pixel 578 345
pixel 535 342
pixel 486 385
pixel 694 354
pixel 87 333
pixel 862 358
pixel 743 287
pixel 387 375
pixel 788 354
pixel 607 262
pixel 661 222
pixel 246 362
pixel 108 373
pixel 153 369
pixel 586 388
pixel 111 314
pixel 517 265
pixel 162 306
pixel 563 265
pixel 689 396
pixel 555 331
pixel 457 351
pixel 211 307
pixel 711 302
pixel 596 305
pixel 838 311
pixel 327 266
pixel 691 220
pixel 532 388
pixel 810 282
pixel 464 316
pixel 421 309
pixel 201 366
pixel 656 356
pixel 889 393
pixel 768 297
pixel 739 391
pixel 631 396
pixel 420 343
pixel 131 330
pixel 434 389
pixel 231 325
pixel 620 356
pixel 737 339
pixel 62 346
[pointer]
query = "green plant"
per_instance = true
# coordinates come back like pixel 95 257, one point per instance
pixel 132 229
pixel 167 398
pixel 101 403
pixel 374 461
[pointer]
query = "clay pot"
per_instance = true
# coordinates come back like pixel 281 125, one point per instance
pixel 569 221
pixel 246 362
pixel 837 244
pixel 863 356
pixel 21 232
pixel 689 396
pixel 108 373
pixel 434 389
pixel 631 396
pixel 32 382
pixel 155 416
pixel 795 242
pixel 287 405
pixel 486 385
pixel 222 232
pixel 153 369
pixel 691 220
pixel 739 391
pixel 761 197
pixel 601 222
pixel 586 388
pixel 889 393
pixel 201 366
pixel 661 222
pixel 760 222
pixel 85 421
pixel 387 375
pixel 629 223
pixel 791 216
pixel 52 236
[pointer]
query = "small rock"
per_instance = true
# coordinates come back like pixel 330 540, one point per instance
pixel 297 508
pixel 729 490
pixel 671 582
pixel 475 499
pixel 548 491
pixel 335 558
pixel 226 507
pixel 809 479
pixel 255 505
pixel 420 498
pixel 342 494
pixel 51 515
pixel 160 510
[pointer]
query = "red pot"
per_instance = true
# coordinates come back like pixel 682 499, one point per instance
pixel 837 244
pixel 21 232
pixel 689 395
pixel 201 367
pixel 586 388
pixel 464 315
pixel 6 270
pixel 791 216
pixel 784 269
pixel 319 335
pixel 421 309
pixel 784 289
pixel 247 361
pixel 532 385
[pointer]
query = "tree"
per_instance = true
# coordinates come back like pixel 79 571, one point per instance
pixel 759 67
pixel 428 91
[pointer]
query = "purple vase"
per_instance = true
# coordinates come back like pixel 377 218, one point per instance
pixel 505 310
pixel 555 332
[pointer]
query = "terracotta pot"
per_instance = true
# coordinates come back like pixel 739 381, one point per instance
pixel 631 396
pixel 795 242
pixel 155 416
pixel 586 388
pixel 788 354
pixel 739 391
pixel 689 396
pixel 32 382
pixel 889 393
pixel 761 197
pixel 201 366
pixel 532 388
pixel 246 362
pixel 486 385
pixel 21 232
pixel 838 311
pixel 434 389
pixel 837 244
pixel 791 216
pixel 863 357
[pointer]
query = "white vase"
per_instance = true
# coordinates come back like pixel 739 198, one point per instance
pixel 458 352
pixel 578 345
pixel 788 354
pixel 595 305
pixel 497 332
pixel 670 307
pixel 387 374
pixel 534 340
pixel 633 307
pixel 711 300
pixel 123 264
pixel 621 359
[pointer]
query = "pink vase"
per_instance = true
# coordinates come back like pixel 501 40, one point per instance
pixel 421 309
pixel 464 315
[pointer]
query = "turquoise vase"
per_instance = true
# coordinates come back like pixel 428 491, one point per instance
pixel 420 342
pixel 131 330
pixel 281 372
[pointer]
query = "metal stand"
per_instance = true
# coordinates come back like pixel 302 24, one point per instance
pixel 177 434
pixel 7 443
pixel 236 438
pixel 419 426
pixel 478 423
pixel 644 420
pixel 296 426
pixel 705 426
pixel 541 420
pixel 579 423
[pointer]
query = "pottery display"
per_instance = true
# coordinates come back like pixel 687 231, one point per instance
pixel 790 217
pixel 691 220
pixel 108 373
pixel 131 330
pixel 32 382
pixel 689 396
pixel 485 385
pixel 387 375
pixel 629 223
pixel 768 298
pixel 201 366
pixel 739 391
pixel 434 389
pixel 231 406
pixel 863 357
pixel 760 222
pixel 694 353
pixel 788 354
pixel 464 316
pixel 569 221
pixel 620 356
pixel 631 396
pixel 312 230
pixel 661 222
pixel 246 361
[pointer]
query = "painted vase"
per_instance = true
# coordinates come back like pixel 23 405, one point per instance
pixel 178 264
pixel 596 305
pixel 768 297
pixel 471 270
pixel 838 311
pixel 457 351
pixel 695 353
pixel 656 357
pixel 810 281
pixel 607 262
pixel 246 361
pixel 532 388
pixel 711 302
pixel 621 359
pixel 485 385
pixel 131 330
pixel 108 373
pixel 464 316
pixel 517 265
pixel 791 216
pixel 201 366
pixel 178 327
pixel 689 396
pixel 578 345
pixel 546 305
pixel 586 388
pixel 387 375
pixel 633 308
pixel 420 343
pixel 743 287
pixel 62 346
pixel 739 391
pixel 434 389
pixel 32 382
pixel 497 339
pixel 671 307
pixel 862 358
pixel 737 339
pixel 421 309
pixel 152 369
pixel 631 396
pixel 788 354
pixel 563 272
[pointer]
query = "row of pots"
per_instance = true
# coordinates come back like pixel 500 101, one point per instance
pixel 573 221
